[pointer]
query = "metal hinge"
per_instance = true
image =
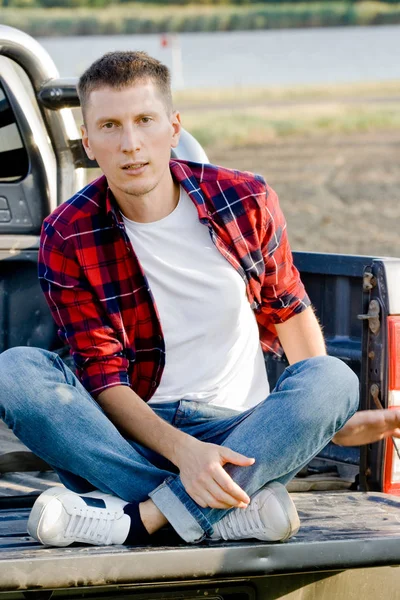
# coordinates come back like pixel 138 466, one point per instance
pixel 369 282
pixel 372 316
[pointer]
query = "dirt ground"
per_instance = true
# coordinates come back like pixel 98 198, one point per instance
pixel 340 193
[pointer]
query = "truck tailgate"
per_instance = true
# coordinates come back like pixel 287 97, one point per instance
pixel 340 530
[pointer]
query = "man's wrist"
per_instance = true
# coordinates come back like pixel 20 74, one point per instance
pixel 137 421
pixel 179 445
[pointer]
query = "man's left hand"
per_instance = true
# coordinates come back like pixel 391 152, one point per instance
pixel 369 426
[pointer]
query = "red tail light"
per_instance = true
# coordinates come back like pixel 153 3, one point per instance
pixel 391 482
pixel 394 353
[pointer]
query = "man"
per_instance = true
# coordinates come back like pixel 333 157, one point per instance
pixel 164 277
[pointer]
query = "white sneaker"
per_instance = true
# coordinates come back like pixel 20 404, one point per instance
pixel 60 517
pixel 271 516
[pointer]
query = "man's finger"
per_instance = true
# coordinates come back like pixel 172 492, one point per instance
pixel 225 481
pixel 392 417
pixel 235 458
pixel 207 500
pixel 222 497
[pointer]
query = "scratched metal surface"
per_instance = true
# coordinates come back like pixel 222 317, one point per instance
pixel 323 515
pixel 339 530
pixel 342 515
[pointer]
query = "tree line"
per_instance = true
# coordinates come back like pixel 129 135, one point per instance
pixel 165 3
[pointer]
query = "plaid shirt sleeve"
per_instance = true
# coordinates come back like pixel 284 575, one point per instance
pixel 83 324
pixel 282 294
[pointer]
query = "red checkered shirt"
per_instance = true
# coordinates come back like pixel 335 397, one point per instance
pixel 99 295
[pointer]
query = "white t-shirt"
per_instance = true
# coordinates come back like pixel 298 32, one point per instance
pixel 213 352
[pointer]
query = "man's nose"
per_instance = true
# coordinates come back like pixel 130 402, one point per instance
pixel 130 139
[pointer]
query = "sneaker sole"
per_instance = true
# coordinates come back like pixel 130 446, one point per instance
pixel 288 506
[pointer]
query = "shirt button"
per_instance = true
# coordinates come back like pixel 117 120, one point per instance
pixel 153 384
pixel 159 337
pixel 209 213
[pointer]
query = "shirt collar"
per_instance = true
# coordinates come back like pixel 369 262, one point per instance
pixel 112 208
pixel 183 175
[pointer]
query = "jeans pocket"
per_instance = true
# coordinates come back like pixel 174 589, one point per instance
pixel 185 412
pixel 194 412
pixel 166 410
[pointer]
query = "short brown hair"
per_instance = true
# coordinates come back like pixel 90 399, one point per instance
pixel 121 69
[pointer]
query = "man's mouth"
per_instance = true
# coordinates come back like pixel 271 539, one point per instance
pixel 134 166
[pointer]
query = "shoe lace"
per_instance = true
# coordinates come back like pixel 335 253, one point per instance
pixel 242 523
pixel 91 524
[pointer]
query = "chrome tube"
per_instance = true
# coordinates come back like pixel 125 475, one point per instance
pixel 40 69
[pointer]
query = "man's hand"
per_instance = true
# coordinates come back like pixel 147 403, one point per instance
pixel 369 426
pixel 204 478
pixel 200 464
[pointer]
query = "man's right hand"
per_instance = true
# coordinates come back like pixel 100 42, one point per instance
pixel 204 478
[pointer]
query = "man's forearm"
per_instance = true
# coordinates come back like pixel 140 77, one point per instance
pixel 301 336
pixel 137 421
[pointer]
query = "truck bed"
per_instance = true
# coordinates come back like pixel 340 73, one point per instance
pixel 340 530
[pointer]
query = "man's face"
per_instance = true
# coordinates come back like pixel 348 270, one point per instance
pixel 130 134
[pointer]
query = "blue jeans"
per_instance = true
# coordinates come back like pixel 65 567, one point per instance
pixel 48 409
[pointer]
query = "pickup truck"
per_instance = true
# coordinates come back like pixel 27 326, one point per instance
pixel 348 499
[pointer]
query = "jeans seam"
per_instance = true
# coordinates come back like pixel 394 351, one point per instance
pixel 178 417
pixel 61 367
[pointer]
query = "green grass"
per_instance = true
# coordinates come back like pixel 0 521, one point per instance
pixel 240 95
pixel 130 18
pixel 227 128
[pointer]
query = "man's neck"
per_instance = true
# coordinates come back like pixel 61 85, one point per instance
pixel 151 207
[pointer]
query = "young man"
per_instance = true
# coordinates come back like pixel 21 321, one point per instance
pixel 168 279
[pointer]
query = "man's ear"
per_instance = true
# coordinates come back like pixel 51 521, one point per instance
pixel 86 143
pixel 177 127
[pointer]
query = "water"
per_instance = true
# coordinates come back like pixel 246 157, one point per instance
pixel 251 58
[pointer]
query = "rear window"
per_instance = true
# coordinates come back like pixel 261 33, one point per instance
pixel 14 162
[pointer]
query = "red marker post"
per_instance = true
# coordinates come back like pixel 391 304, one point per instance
pixel 172 41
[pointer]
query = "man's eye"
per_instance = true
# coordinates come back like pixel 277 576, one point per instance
pixel 146 119
pixel 108 125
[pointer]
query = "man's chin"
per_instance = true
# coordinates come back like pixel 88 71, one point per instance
pixel 137 190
